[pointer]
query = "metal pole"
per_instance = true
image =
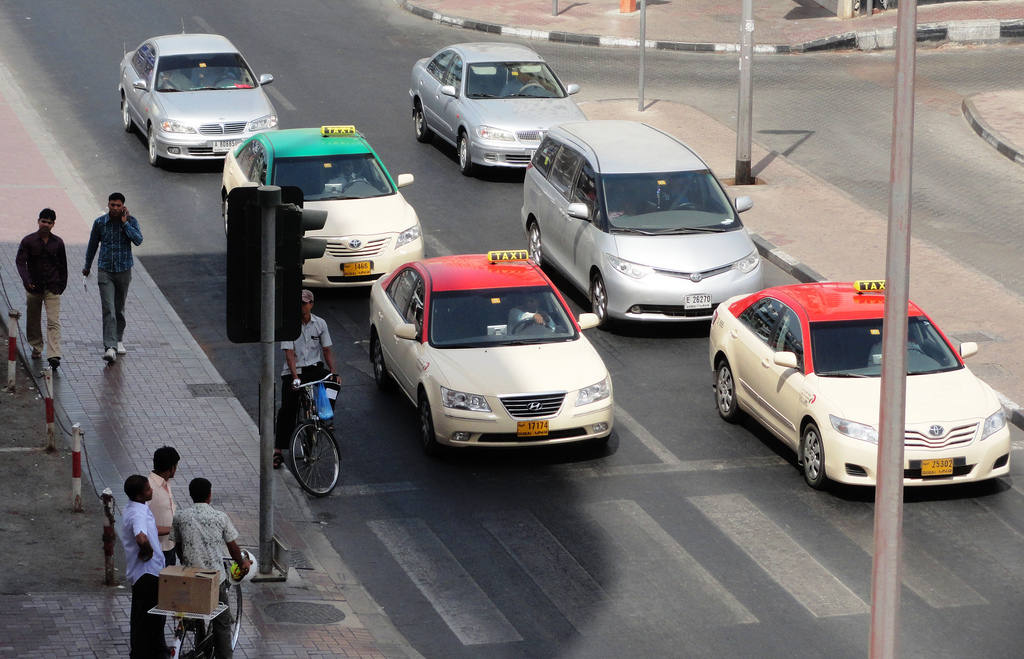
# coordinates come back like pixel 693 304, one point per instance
pixel 643 50
pixel 886 568
pixel 270 199
pixel 743 110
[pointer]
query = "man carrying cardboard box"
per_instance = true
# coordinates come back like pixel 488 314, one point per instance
pixel 143 564
pixel 200 534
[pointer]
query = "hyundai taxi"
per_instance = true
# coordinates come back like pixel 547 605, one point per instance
pixel 805 360
pixel 488 351
pixel 371 229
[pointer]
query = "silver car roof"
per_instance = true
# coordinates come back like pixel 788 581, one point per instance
pixel 495 52
pixel 623 147
pixel 186 44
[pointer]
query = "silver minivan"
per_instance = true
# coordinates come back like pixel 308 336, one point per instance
pixel 636 219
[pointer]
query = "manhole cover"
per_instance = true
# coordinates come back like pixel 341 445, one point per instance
pixel 304 613
pixel 211 390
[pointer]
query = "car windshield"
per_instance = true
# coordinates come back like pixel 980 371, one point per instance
pixel 321 178
pixel 189 73
pixel 667 202
pixel 853 348
pixel 512 80
pixel 498 317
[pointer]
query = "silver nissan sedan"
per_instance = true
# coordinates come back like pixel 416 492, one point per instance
pixel 193 96
pixel 492 101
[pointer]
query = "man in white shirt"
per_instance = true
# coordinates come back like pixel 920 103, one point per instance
pixel 165 465
pixel 143 565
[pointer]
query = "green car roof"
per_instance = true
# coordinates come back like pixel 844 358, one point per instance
pixel 299 142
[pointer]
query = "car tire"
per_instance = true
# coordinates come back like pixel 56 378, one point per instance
pixel 154 159
pixel 419 123
pixel 381 376
pixel 812 457
pixel 725 392
pixel 534 243
pixel 428 440
pixel 126 117
pixel 465 161
pixel 599 298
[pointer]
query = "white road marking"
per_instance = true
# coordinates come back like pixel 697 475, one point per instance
pixel 455 596
pixel 792 567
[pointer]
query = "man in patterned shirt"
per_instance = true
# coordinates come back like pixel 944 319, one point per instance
pixel 200 534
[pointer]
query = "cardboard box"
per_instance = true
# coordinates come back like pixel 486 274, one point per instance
pixel 188 589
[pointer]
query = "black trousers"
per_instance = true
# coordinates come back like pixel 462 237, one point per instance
pixel 147 630
pixel 290 403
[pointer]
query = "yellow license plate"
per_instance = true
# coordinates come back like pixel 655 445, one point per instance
pixel 937 467
pixel 531 428
pixel 356 269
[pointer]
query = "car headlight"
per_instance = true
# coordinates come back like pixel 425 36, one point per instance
pixel 993 423
pixel 263 123
pixel 628 268
pixel 594 392
pixel 407 236
pixel 854 429
pixel 747 263
pixel 492 133
pixel 172 126
pixel 460 400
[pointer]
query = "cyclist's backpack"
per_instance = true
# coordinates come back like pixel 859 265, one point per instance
pixel 324 409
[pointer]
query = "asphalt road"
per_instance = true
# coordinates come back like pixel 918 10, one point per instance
pixel 687 537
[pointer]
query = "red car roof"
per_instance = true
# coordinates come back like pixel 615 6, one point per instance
pixel 824 301
pixel 462 272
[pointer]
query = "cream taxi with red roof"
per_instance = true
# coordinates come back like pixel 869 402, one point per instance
pixel 805 360
pixel 489 352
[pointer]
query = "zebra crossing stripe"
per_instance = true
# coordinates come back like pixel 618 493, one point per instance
pixel 453 593
pixel 785 561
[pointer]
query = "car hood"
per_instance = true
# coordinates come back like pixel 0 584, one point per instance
pixel 525 113
pixel 502 370
pixel 216 105
pixel 952 396
pixel 352 217
pixel 695 252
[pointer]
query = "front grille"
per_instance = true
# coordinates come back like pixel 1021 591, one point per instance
pixel 533 406
pixel 954 436
pixel 530 135
pixel 512 438
pixel 231 128
pixel 368 248
pixel 675 310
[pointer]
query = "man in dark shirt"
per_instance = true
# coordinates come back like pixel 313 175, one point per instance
pixel 43 265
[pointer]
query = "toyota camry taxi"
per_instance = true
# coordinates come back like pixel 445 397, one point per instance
pixel 370 229
pixel 488 351
pixel 805 360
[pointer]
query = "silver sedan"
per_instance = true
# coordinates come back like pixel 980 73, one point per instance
pixel 193 96
pixel 493 101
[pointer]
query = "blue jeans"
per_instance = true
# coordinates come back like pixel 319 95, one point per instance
pixel 113 291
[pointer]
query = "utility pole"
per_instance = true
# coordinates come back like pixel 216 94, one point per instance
pixel 270 199
pixel 743 118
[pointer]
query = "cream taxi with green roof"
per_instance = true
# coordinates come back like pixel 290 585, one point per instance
pixel 371 229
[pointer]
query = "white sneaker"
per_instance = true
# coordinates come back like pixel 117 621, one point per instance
pixel 121 350
pixel 110 356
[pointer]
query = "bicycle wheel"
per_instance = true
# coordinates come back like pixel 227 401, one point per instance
pixel 316 462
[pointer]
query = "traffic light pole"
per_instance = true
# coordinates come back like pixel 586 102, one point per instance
pixel 270 199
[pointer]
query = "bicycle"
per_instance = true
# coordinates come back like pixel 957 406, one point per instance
pixel 315 459
pixel 193 632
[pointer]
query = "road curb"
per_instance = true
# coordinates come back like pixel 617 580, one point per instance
pixel 986 132
pixel 971 31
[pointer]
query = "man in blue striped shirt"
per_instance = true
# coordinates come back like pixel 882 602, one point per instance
pixel 113 233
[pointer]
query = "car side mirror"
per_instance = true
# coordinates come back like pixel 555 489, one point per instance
pixel 572 89
pixel 448 90
pixel 588 321
pixel 404 180
pixel 266 79
pixel 786 359
pixel 140 84
pixel 968 349
pixel 578 210
pixel 406 331
pixel 744 203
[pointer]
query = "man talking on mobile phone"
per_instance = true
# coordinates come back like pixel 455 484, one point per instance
pixel 114 234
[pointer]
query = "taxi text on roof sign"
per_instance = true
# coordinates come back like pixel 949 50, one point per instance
pixel 337 131
pixel 507 255
pixel 869 285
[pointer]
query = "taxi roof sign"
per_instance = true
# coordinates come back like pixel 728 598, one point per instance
pixel 337 131
pixel 507 255
pixel 869 285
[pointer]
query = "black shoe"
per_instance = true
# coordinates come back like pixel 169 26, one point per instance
pixel 54 362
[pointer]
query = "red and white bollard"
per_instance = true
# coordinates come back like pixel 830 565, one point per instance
pixel 51 435
pixel 76 468
pixel 12 347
